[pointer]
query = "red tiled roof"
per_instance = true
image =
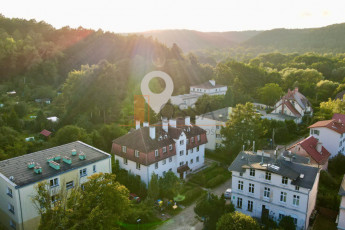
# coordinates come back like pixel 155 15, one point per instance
pixel 309 145
pixel 45 132
pixel 331 124
pixel 292 108
pixel 339 116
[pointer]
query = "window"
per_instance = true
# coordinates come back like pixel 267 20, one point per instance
pixel 125 161
pixel 70 184
pixel 55 198
pixel 252 172
pixel 181 163
pixel 187 141
pixel 218 136
pixel 82 187
pixel 294 220
pixel 317 132
pixel 192 139
pixel 156 153
pixel 13 224
pixel 156 165
pixel 284 180
pixel 295 200
pixel 198 137
pixel 83 172
pixel 54 182
pixel 164 172
pixel 250 205
pixel 138 166
pixel 164 162
pixel 241 174
pixel 124 149
pixel 197 149
pixel 191 161
pixel 9 192
pixel 268 176
pixel 240 185
pixel 170 159
pixel 239 202
pixel 11 208
pixel 170 147
pixel 164 149
pixel 181 152
pixel 281 216
pixel 191 150
pixel 181 142
pixel 297 188
pixel 170 169
pixel 251 188
pixel 94 168
pixel 136 153
pixel 283 197
pixel 197 159
pixel 267 192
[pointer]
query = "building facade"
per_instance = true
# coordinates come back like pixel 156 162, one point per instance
pixel 213 122
pixel 175 145
pixel 331 134
pixel 341 215
pixel 65 166
pixel 210 87
pixel 293 104
pixel 264 185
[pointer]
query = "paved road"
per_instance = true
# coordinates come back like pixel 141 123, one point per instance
pixel 186 220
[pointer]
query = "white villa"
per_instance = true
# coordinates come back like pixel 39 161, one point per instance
pixel 173 145
pixel 265 185
pixel 341 216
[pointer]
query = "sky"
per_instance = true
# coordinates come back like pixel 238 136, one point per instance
pixel 213 15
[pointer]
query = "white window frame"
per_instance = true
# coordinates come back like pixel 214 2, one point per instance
pixel 296 200
pixel 136 153
pixel 252 172
pixel 156 165
pixel 181 142
pixel 94 168
pixel 54 182
pixel 164 162
pixel 9 192
pixel 170 159
pixel 198 138
pixel 239 202
pixel 285 180
pixel 69 186
pixel 83 172
pixel 192 139
pixel 268 176
pixel 181 152
pixel 124 149
pixel 13 224
pixel 267 193
pixel 170 147
pixel 250 206
pixel 251 188
pixel 191 161
pixel 164 149
pixel 11 208
pixel 240 185
pixel 156 153
pixel 138 166
pixel 283 196
pixel 297 188
pixel 197 159
pixel 125 161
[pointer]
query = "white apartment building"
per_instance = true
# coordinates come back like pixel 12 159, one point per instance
pixel 293 104
pixel 341 215
pixel 173 145
pixel 212 122
pixel 210 87
pixel 331 134
pixel 188 100
pixel 65 166
pixel 265 185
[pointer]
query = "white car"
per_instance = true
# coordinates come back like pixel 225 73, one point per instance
pixel 227 193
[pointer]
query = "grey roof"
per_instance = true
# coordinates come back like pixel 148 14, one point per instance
pixel 218 115
pixel 342 187
pixel 17 166
pixel 296 158
pixel 285 168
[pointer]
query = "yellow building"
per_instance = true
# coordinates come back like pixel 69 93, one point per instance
pixel 67 165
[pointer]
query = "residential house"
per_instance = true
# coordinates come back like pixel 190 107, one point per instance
pixel 63 166
pixel 267 185
pixel 293 104
pixel 184 101
pixel 312 149
pixel 341 215
pixel 172 145
pixel 331 134
pixel 212 122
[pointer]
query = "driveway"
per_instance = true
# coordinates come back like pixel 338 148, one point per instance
pixel 186 220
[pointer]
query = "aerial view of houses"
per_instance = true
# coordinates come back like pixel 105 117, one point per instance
pixel 184 115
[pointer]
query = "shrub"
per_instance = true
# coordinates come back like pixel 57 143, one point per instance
pixel 192 194
pixel 217 180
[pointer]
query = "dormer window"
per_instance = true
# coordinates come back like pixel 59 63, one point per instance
pixel 124 149
pixel 284 180
pixel 156 153
pixel 170 147
pixel 164 149
pixel 136 152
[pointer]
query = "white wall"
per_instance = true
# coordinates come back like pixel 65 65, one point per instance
pixel 341 217
pixel 329 139
pixel 211 131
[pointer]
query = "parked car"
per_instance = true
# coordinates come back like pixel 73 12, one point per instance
pixel 227 193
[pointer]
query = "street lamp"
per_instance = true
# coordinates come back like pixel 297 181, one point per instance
pixel 138 221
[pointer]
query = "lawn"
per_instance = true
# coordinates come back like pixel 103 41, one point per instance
pixel 211 177
pixel 322 222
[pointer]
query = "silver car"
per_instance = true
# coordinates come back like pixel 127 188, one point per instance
pixel 227 193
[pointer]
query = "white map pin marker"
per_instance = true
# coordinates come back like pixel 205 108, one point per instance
pixel 154 100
